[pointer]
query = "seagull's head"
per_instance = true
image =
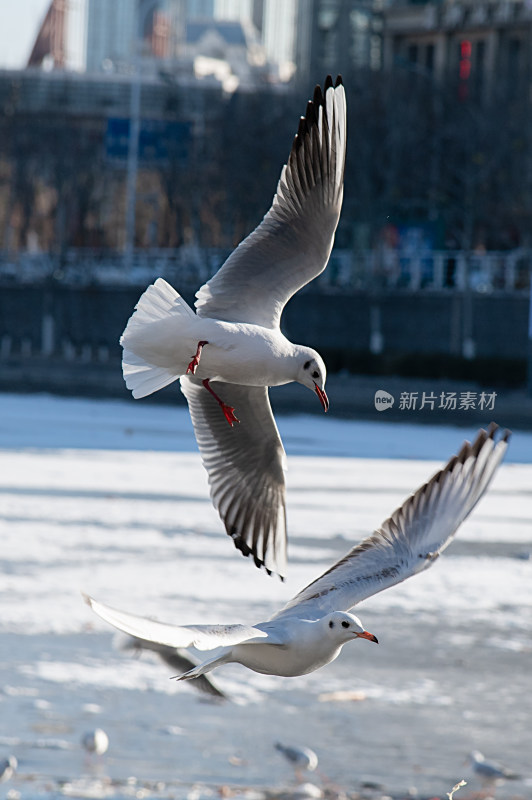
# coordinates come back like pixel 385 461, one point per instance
pixel 476 757
pixel 312 373
pixel 344 626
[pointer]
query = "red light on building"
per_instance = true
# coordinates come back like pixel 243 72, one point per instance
pixel 465 49
pixel 464 67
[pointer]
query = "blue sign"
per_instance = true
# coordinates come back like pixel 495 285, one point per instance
pixel 160 141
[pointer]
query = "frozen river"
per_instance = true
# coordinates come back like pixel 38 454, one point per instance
pixel 111 498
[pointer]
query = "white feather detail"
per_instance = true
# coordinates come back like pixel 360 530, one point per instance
pixel 151 359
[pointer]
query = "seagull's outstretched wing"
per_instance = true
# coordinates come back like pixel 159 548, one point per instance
pixel 292 244
pixel 412 538
pixel 245 465
pixel 177 658
pixel 202 637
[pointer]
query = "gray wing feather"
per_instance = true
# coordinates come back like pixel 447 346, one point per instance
pixel 412 538
pixel 292 244
pixel 177 659
pixel 245 465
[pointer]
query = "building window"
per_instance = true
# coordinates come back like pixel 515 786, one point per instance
pixel 429 57
pixel 514 59
pixel 479 65
pixel 412 53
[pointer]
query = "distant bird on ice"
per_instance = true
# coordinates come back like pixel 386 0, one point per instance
pixel 232 349
pixel 95 741
pixel 301 758
pixel 312 628
pixel 490 773
pixel 178 659
pixel 8 767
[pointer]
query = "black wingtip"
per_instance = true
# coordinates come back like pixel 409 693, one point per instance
pixel 310 120
pixel 311 115
pixel 493 428
pixel 300 135
pixel 246 550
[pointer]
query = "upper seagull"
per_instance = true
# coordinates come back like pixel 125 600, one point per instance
pixel 311 629
pixel 234 340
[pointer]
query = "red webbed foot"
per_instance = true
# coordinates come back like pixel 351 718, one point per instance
pixel 229 411
pixel 192 367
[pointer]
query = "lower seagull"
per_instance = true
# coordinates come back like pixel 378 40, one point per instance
pixel 8 767
pixel 95 741
pixel 300 758
pixel 490 773
pixel 310 631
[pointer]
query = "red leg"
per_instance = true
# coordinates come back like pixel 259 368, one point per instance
pixel 229 411
pixel 192 367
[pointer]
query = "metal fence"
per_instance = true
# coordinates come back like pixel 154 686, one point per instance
pixel 445 270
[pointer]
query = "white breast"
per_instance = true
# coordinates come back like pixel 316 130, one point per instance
pixel 306 650
pixel 245 354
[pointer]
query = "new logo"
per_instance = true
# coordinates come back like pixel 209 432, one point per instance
pixel 383 400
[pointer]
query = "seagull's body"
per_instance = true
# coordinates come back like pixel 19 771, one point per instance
pixel 231 349
pixel 95 742
pixel 310 631
pixel 299 757
pixel 303 646
pixel 8 767
pixel 238 352
pixel 489 773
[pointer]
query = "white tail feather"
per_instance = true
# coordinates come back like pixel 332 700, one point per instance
pixel 151 340
pixel 207 666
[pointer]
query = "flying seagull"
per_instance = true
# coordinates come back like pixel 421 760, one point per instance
pixel 231 350
pixel 310 631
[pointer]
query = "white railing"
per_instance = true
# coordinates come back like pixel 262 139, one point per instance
pixel 378 269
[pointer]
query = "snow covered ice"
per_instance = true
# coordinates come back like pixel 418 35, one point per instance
pixel 111 498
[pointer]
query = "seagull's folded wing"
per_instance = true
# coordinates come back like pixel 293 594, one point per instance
pixel 245 465
pixel 292 244
pixel 202 637
pixel 412 538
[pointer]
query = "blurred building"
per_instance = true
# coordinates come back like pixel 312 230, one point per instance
pixel 475 43
pixel 114 31
pixel 274 23
pixel 220 40
pixel 49 46
pixel 336 36
pixel 230 51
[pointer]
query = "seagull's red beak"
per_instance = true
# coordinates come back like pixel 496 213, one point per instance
pixel 369 636
pixel 324 400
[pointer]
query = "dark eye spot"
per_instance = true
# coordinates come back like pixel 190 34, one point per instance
pixel 331 624
pixel 307 364
pixel 345 624
pixel 315 374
